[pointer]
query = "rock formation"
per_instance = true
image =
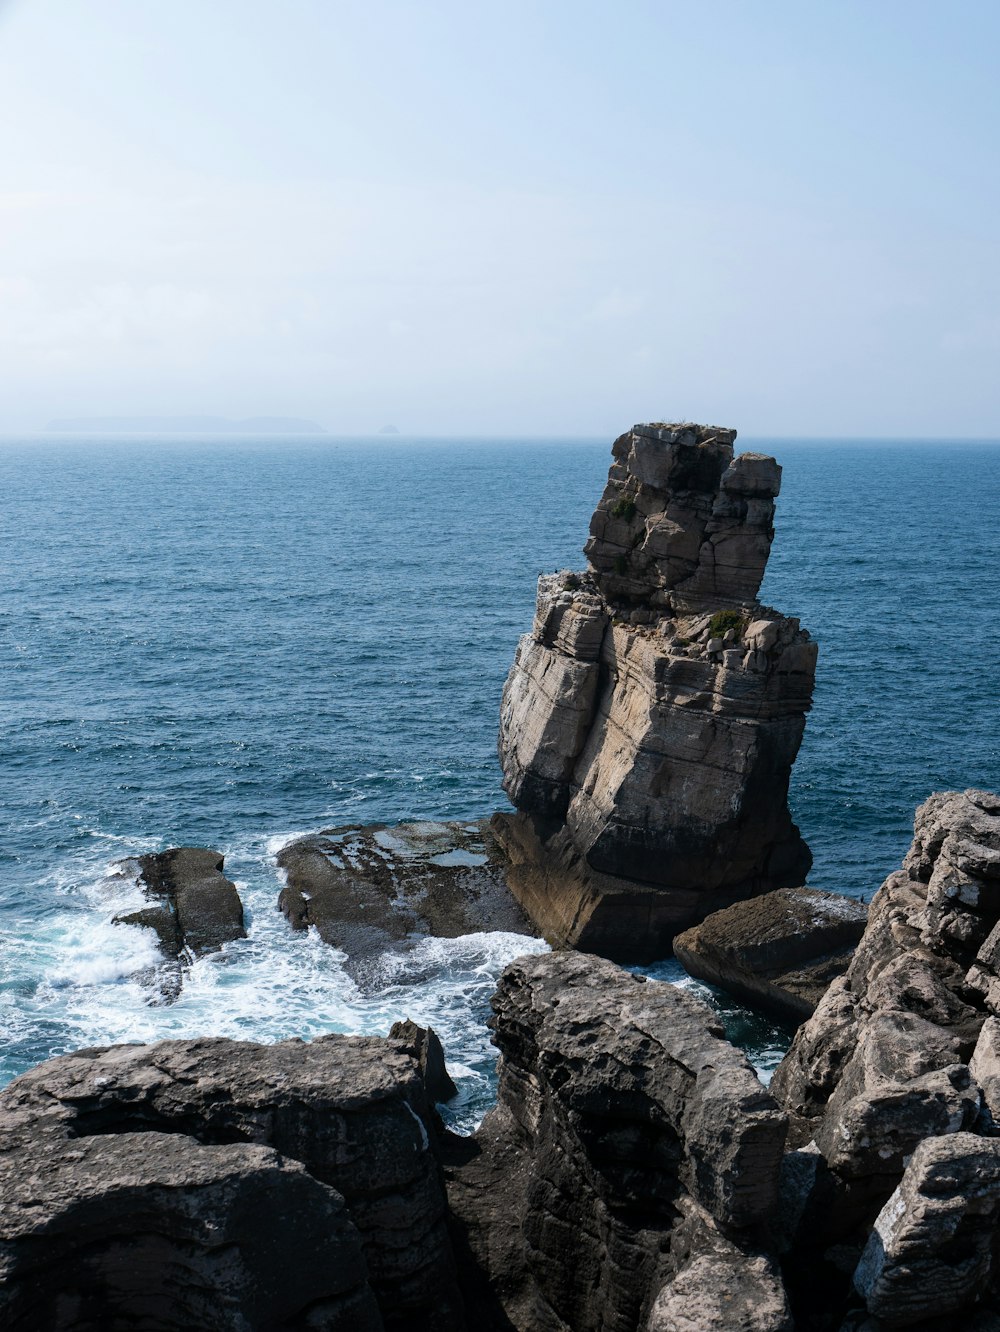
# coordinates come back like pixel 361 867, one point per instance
pixel 651 717
pixel 778 952
pixel 632 1155
pixel 224 1185
pixel 372 890
pixel 633 1177
pixel 891 1088
pixel 197 909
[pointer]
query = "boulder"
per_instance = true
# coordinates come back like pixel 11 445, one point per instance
pixel 625 1125
pixel 722 1283
pixel 651 717
pixel 778 952
pixel 931 1250
pixel 351 1111
pixel 372 890
pixel 152 1229
pixel 199 908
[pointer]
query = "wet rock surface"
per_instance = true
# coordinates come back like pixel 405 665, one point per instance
pixel 199 1174
pixel 651 717
pixel 778 952
pixel 373 889
pixel 194 908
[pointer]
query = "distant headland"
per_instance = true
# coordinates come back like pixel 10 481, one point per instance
pixel 183 425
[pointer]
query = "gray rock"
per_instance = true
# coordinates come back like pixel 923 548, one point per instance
pixel 902 1053
pixel 778 952
pixel 196 910
pixel 200 908
pixel 427 1049
pixel 157 1230
pixel 722 1284
pixel 984 1067
pixel 931 1250
pixel 621 1109
pixel 650 774
pixel 351 1110
pixel 906 1007
pixel 375 890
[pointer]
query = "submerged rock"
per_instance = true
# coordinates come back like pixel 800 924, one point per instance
pixel 374 890
pixel 651 717
pixel 778 952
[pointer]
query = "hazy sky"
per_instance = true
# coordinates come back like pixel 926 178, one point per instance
pixel 547 217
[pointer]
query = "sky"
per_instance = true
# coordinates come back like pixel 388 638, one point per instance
pixel 536 217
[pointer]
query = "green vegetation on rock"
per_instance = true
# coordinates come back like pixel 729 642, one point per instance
pixel 724 620
pixel 623 508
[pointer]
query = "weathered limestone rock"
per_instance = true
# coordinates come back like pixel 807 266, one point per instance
pixel 122 1125
pixel 914 999
pixel 650 719
pixel 722 1285
pixel 372 890
pixel 626 1128
pixel 157 1230
pixel 778 952
pixel 931 1250
pixel 423 1042
pixel 894 1079
pixel 199 908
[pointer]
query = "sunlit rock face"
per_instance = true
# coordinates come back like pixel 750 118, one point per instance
pixel 651 717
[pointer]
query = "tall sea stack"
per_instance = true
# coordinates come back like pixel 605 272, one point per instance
pixel 651 718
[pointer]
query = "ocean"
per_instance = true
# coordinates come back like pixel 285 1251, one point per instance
pixel 227 642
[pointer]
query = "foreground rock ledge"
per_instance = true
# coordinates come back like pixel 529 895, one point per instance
pixel 225 1185
pixel 651 717
pixel 634 1176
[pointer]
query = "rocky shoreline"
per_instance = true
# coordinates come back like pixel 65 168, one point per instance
pixel 635 1175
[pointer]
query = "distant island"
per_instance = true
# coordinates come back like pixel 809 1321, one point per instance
pixel 388 430
pixel 183 425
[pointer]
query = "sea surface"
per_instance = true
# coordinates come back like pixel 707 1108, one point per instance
pixel 228 642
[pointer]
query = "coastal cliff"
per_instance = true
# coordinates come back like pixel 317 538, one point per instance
pixel 635 1176
pixel 652 715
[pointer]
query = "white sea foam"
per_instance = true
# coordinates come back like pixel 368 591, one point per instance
pixel 78 979
pixel 83 980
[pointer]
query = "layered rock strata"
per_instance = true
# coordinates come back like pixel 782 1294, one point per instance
pixel 632 1150
pixel 891 1088
pixel 213 1183
pixel 778 952
pixel 373 890
pixel 651 717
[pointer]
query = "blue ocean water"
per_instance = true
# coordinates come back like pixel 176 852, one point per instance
pixel 226 642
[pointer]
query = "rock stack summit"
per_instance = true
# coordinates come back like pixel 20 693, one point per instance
pixel 651 717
